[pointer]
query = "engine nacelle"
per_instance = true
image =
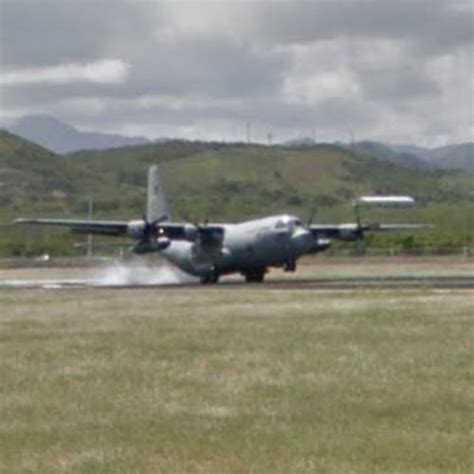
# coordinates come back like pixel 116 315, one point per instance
pixel 136 229
pixel 322 245
pixel 347 235
pixel 190 232
pixel 348 232
pixel 162 243
pixel 149 246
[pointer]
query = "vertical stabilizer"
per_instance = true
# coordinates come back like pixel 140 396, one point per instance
pixel 157 204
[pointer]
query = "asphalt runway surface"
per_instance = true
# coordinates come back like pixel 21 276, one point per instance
pixel 314 283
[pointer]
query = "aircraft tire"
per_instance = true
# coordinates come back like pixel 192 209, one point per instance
pixel 210 278
pixel 289 266
pixel 255 276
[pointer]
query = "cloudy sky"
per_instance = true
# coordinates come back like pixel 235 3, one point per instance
pixel 394 70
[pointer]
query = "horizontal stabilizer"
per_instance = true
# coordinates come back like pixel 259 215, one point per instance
pixel 385 201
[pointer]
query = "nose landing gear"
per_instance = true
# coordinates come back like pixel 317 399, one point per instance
pixel 289 266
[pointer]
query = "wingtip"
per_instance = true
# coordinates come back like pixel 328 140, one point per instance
pixel 22 220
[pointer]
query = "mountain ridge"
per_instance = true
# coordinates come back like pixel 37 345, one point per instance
pixel 62 138
pixel 65 139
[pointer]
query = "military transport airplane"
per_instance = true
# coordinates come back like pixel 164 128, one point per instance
pixel 210 250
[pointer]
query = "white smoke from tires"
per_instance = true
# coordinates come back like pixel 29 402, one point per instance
pixel 139 274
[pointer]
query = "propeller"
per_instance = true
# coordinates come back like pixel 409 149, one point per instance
pixel 146 244
pixel 312 215
pixel 149 227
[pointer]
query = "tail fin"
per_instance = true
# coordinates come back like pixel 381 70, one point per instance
pixel 157 204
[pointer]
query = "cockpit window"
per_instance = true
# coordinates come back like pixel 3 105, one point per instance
pixel 288 222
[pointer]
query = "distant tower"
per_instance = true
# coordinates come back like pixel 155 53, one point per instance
pixel 352 138
pixel 248 132
pixel 313 135
pixel 89 237
pixel 270 138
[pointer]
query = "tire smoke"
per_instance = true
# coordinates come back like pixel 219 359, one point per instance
pixel 140 274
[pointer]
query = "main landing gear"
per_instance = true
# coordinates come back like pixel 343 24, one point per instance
pixel 255 276
pixel 289 266
pixel 210 278
pixel 251 276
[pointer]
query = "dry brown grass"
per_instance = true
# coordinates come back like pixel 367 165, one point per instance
pixel 236 380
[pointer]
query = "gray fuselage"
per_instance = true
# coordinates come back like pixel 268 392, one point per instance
pixel 247 246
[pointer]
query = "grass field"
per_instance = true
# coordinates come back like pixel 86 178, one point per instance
pixel 236 380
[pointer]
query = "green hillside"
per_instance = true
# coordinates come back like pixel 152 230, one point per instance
pixel 271 178
pixel 224 182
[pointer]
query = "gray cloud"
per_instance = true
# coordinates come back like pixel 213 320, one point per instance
pixel 205 64
pixel 189 65
pixel 397 84
pixel 427 25
pixel 52 32
pixel 287 66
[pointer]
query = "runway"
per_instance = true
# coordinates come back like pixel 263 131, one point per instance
pixel 320 274
pixel 294 283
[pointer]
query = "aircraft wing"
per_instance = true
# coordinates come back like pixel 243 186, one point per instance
pixel 332 230
pixel 353 231
pixel 208 234
pixel 376 226
pixel 112 228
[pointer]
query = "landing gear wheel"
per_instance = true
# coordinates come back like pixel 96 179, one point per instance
pixel 289 266
pixel 255 276
pixel 210 278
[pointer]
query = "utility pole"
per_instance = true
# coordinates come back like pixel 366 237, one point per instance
pixel 89 237
pixel 352 139
pixel 270 137
pixel 248 132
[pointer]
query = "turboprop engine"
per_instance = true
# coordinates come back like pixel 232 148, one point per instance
pixel 151 245
pixel 349 232
pixel 136 229
pixel 191 232
pixel 145 233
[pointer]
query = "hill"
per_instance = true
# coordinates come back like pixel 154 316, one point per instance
pixel 33 177
pixel 453 157
pixel 28 171
pixel 274 177
pixel 63 138
pixel 386 153
pixel 227 182
pixel 450 157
